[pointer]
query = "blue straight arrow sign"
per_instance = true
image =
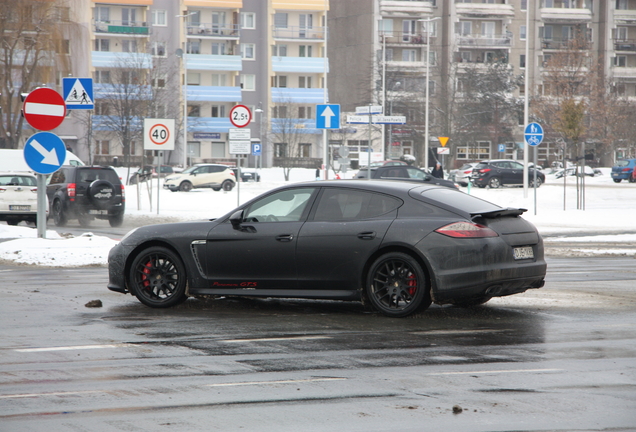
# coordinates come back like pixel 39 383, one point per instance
pixel 328 116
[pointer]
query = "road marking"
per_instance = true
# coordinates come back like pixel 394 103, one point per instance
pixel 249 383
pixel 276 339
pixel 449 332
pixel 496 371
pixel 28 395
pixel 71 348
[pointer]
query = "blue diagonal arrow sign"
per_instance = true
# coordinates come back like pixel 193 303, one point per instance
pixel 44 152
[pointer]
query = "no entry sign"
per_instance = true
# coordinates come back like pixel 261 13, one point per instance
pixel 44 109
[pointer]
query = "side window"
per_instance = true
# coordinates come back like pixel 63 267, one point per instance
pixel 287 206
pixel 415 174
pixel 57 177
pixel 348 204
pixel 516 165
pixel 394 172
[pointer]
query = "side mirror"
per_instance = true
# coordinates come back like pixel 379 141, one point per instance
pixel 236 219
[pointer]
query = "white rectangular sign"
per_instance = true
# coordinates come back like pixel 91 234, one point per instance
pixel 443 150
pixel 375 109
pixel 240 134
pixel 240 147
pixel 376 119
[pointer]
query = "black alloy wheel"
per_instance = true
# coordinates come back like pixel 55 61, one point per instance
pixel 158 278
pixel 494 182
pixel 186 186
pixel 59 217
pixel 397 286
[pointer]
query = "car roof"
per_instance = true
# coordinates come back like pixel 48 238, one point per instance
pixel 17 173
pixel 386 186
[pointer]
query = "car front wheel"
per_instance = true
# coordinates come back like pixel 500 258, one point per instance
pixel 158 278
pixel 397 286
pixel 539 182
pixel 185 186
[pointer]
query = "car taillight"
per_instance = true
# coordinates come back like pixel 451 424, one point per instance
pixel 71 191
pixel 232 172
pixel 468 172
pixel 2 189
pixel 626 169
pixel 34 190
pixel 485 170
pixel 123 193
pixel 466 230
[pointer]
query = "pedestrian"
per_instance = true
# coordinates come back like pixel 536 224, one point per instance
pixel 438 171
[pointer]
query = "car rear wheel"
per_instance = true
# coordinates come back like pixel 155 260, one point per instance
pixel 396 285
pixel 228 185
pixel 59 217
pixel 617 180
pixel 494 182
pixel 84 220
pixel 186 186
pixel 158 278
pixel 116 220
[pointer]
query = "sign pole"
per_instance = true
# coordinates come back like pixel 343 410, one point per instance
pixel 158 178
pixel 41 215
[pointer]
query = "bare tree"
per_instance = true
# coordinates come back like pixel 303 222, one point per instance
pixel 31 53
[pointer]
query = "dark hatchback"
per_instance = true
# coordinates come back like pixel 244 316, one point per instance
pixel 503 172
pixel 396 245
pixel 403 172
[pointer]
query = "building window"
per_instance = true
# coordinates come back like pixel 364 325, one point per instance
pixel 279 111
pixel 304 150
pixel 102 14
pixel 102 108
pixel 248 20
pixel 522 32
pixel 102 45
pixel 305 51
pixel 158 17
pixel 101 77
pixel 479 150
pixel 218 111
pixel 304 112
pixel 218 48
pixel 464 28
pixel 279 81
pixel 129 46
pixel 280 150
pixel 247 51
pixel 194 47
pixel 279 50
pixel 128 16
pixel 248 82
pixel 194 149
pixel 620 61
pixel 280 20
pixel 102 147
pixel 158 82
pixel 219 80
pixel 409 55
pixel 63 14
pixel 194 111
pixel 158 49
pixel 64 47
pixel 304 82
pixel 522 61
pixel 194 78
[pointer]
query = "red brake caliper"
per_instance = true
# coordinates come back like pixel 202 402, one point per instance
pixel 412 282
pixel 146 271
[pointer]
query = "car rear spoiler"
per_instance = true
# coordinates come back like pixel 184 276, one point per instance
pixel 499 213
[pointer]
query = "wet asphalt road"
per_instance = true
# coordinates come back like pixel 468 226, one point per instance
pixel 559 358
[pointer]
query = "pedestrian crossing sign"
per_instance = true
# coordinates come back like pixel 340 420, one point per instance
pixel 78 93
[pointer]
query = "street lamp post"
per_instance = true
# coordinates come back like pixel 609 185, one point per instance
pixel 259 111
pixel 428 58
pixel 185 87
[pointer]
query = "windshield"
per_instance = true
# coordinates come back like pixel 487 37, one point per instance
pixel 622 163
pixel 459 200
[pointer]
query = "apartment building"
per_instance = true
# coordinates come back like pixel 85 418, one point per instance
pixel 381 51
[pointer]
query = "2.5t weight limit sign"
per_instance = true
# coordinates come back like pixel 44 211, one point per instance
pixel 158 134
pixel 240 116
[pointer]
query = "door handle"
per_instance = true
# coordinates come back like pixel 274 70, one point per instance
pixel 370 235
pixel 285 237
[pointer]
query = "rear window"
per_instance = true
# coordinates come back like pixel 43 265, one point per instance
pixel 89 175
pixel 459 200
pixel 481 165
pixel 17 180
pixel 622 163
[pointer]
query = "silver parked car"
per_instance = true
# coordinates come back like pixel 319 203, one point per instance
pixel 462 174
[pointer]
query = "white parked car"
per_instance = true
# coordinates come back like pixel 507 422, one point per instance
pixel 462 174
pixel 213 176
pixel 19 197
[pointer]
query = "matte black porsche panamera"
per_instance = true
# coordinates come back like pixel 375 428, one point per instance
pixel 397 245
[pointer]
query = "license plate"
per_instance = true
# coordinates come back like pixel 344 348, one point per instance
pixel 98 212
pixel 524 252
pixel 20 207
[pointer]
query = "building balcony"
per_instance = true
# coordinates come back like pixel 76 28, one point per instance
pixel 622 16
pixel 214 31
pixel 129 28
pixel 484 41
pixel 400 38
pixel 626 45
pixel 109 59
pixel 560 44
pixel 209 124
pixel 291 125
pixel 117 91
pixel 296 33
pixel 395 8
pixel 566 15
pixel 406 66
pixel 213 94
pixel 298 95
pixel 300 64
pixel 214 62
pixel 624 72
pixel 484 10
pixel 104 123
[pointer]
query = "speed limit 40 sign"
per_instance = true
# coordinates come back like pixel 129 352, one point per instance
pixel 158 134
pixel 240 116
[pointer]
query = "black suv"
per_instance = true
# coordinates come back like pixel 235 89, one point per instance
pixel 85 193
pixel 404 172
pixel 499 172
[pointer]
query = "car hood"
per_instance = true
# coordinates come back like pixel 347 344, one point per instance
pixel 170 232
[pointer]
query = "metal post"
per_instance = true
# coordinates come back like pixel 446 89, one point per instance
pixel 525 102
pixel 428 58
pixel 369 148
pixel 185 88
pixel 41 210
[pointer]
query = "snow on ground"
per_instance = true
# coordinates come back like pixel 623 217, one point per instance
pixel 610 209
